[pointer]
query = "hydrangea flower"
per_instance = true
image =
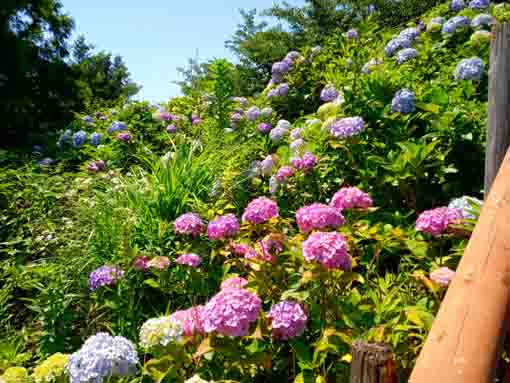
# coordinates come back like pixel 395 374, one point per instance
pixel 190 320
pixel 266 251
pixel 253 113
pixel 288 320
pixel 223 227
pixel 455 23
pixel 231 312
pixel 280 69
pixel 297 144
pixel 65 137
pixel 470 69
pixel 171 129
pixel 284 124
pixel 46 161
pixel 102 356
pixel 244 250
pixel 266 166
pixel 482 20
pixel 318 216
pixel 435 25
pixel 457 5
pixel 396 44
pixel 369 66
pixel 347 127
pixel 79 138
pixel 95 139
pixel 351 198
pixel 15 375
pixel 293 56
pixel 329 249
pixel 436 221
pixel 88 119
pixel 241 100
pixel 278 134
pixel 116 127
pixel 442 276
pixel 159 262
pixel 267 112
pixel 264 127
pixel 96 166
pixel 190 259
pixel 479 4
pixel 307 162
pixel 104 276
pixel 281 90
pixel 260 210
pixel 284 173
pixel 141 263
pixel 296 133
pixel 124 137
pixel 409 34
pixel 190 224
pixel 352 34
pixel 404 102
pixel 480 37
pixel 233 283
pixel 406 55
pixel 196 379
pixel 465 206
pixel 160 331
pixel 52 369
pixel 329 93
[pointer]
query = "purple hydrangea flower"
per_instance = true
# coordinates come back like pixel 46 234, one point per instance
pixel 280 69
pixel 195 120
pixel 233 283
pixel 352 34
pixel 297 144
pixel 293 56
pixel 284 173
pixel 189 224
pixel 351 198
pixel 223 227
pixel 231 312
pixel 409 34
pixel 266 166
pixel 457 5
pixel 307 162
pixel 88 120
pixel 479 4
pixel 171 129
pixel 278 134
pixel 124 137
pixel 404 102
pixel 190 259
pixel 318 216
pixel 253 113
pixel 104 276
pixel 329 249
pixel 442 276
pixel 482 20
pixel 470 69
pixel 102 356
pixel 264 127
pixel 95 139
pixel 347 127
pixel 406 55
pixel 79 138
pixel 288 320
pixel 260 210
pixel 96 166
pixel 396 44
pixel 296 133
pixel 241 100
pixel 455 23
pixel 437 221
pixel 329 93
pixel 282 90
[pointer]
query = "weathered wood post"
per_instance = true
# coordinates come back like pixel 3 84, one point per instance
pixel 498 131
pixel 372 363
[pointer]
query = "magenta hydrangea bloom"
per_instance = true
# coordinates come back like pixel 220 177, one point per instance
pixel 223 227
pixel 264 127
pixel 231 312
pixel 268 249
pixel 288 320
pixel 191 259
pixel 244 250
pixel 171 128
pixel 234 283
pixel 329 249
pixel 442 276
pixel 318 216
pixel 141 263
pixel 104 276
pixel 260 210
pixel 190 224
pixel 307 162
pixel 284 173
pixel 436 221
pixel 350 198
pixel 190 320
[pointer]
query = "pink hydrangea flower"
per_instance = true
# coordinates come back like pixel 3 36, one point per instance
pixel 223 227
pixel 190 320
pixel 159 262
pixel 307 162
pixel 191 259
pixel 442 276
pixel 231 312
pixel 234 283
pixel 436 221
pixel 141 263
pixel 267 249
pixel 318 216
pixel 284 173
pixel 260 210
pixel 189 223
pixel 243 249
pixel 329 249
pixel 351 197
pixel 288 320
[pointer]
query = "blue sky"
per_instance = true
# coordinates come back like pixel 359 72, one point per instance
pixel 155 37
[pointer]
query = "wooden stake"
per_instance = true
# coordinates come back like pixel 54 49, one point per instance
pixel 373 363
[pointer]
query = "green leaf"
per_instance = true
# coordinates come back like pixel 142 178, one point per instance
pixel 152 283
pixel 158 369
pixel 417 248
pixel 304 377
pixel 303 353
pixel 432 108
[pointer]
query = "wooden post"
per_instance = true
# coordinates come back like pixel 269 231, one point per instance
pixel 372 363
pixel 464 341
pixel 498 131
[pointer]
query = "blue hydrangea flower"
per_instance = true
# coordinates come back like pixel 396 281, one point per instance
pixel 79 138
pixel 293 56
pixel 465 205
pixel 100 357
pixel 278 134
pixel 95 138
pixel 396 44
pixel 455 23
pixel 65 138
pixel 347 127
pixel 410 34
pixel 422 26
pixel 406 55
pixel 88 120
pixel 482 20
pixel 404 102
pixel 329 93
pixel 470 69
pixel 457 5
pixel 117 126
pixel 280 69
pixel 253 113
pixel 479 4
pixel 352 34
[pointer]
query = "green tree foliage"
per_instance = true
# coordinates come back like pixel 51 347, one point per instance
pixel 223 87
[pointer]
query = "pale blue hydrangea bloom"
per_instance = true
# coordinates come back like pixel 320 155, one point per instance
pixel 470 69
pixel 404 102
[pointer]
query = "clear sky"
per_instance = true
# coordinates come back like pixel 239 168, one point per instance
pixel 155 37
